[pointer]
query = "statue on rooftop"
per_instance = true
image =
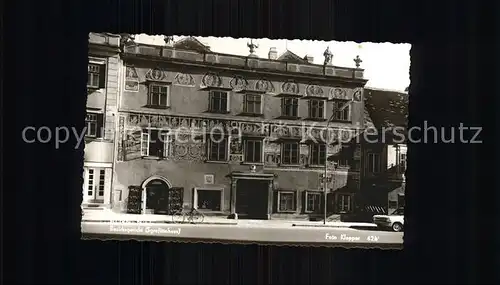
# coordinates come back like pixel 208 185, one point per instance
pixel 328 56
pixel 169 40
pixel 252 47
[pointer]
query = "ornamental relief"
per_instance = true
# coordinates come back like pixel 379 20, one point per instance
pixel 264 85
pixel 358 94
pixel 340 93
pixel 131 79
pixel 184 79
pixel 238 83
pixel 156 74
pixel 211 80
pixel 315 91
pixel 290 87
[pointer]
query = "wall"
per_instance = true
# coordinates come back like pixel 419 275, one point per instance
pixel 187 98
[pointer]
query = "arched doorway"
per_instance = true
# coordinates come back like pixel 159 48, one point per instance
pixel 155 196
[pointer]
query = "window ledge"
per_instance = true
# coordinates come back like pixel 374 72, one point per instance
pixel 315 119
pixel 157 107
pixel 316 166
pixel 251 114
pixel 217 112
pixel 252 163
pixel 284 117
pixel 287 212
pixel 91 89
pixel 153 157
pixel 290 165
pixel 341 121
pixel 217 161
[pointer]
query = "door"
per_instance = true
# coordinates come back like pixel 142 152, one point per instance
pixel 157 197
pixel 252 199
pixel 94 185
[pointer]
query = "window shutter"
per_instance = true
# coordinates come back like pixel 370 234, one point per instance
pixel 100 126
pixel 168 143
pixel 144 144
pixel 102 76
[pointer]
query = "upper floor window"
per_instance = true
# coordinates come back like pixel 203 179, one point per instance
pixel 289 107
pixel 156 143
pixel 96 75
pixel 217 148
pixel 93 125
pixel 316 109
pixel 290 153
pixel 373 163
pixel 218 102
pixel 253 150
pixel 253 104
pixel 158 95
pixel 341 110
pixel 318 154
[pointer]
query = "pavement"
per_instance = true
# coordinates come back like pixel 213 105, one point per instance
pixel 108 216
pixel 322 236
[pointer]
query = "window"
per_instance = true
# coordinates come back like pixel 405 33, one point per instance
pixel 316 109
pixel 289 107
pixel 158 95
pixel 342 162
pixel 403 160
pixel 286 201
pixel 313 202
pixel 318 154
pixel 218 102
pixel 208 199
pixel 341 114
pixel 373 162
pixel 94 75
pixel 93 125
pixel 345 203
pixel 253 150
pixel 217 150
pixel 290 153
pixel 253 103
pixel 155 143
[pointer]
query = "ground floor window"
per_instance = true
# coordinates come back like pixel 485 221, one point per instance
pixel 286 201
pixel 209 199
pixel 313 202
pixel 344 203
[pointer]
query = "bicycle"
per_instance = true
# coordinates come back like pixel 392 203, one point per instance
pixel 193 216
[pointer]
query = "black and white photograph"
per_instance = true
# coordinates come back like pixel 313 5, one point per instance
pixel 245 140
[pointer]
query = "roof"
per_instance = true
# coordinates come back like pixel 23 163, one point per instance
pixel 289 56
pixel 386 108
pixel 191 43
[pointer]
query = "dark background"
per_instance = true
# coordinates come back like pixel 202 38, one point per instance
pixel 451 189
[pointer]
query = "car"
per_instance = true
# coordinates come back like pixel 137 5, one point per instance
pixel 393 221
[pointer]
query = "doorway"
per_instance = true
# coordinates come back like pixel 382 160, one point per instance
pixel 94 185
pixel 252 198
pixel 156 192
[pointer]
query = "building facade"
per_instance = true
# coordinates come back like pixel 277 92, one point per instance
pixel 385 150
pixel 103 89
pixel 232 135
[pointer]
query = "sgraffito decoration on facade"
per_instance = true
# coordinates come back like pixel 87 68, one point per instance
pixel 314 91
pixel 184 148
pixel 338 93
pixel 358 94
pixel 211 80
pixel 184 79
pixel 236 150
pixel 272 153
pixel 238 83
pixel 131 79
pixel 156 74
pixel 264 85
pixel 290 87
pixel 120 139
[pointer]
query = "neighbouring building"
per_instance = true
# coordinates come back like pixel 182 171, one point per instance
pixel 385 151
pixel 102 86
pixel 258 162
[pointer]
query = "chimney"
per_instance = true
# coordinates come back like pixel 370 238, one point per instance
pixel 273 53
pixel 309 58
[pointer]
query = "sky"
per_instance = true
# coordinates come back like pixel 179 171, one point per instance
pixel 386 65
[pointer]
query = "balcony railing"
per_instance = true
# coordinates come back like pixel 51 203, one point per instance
pixel 243 62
